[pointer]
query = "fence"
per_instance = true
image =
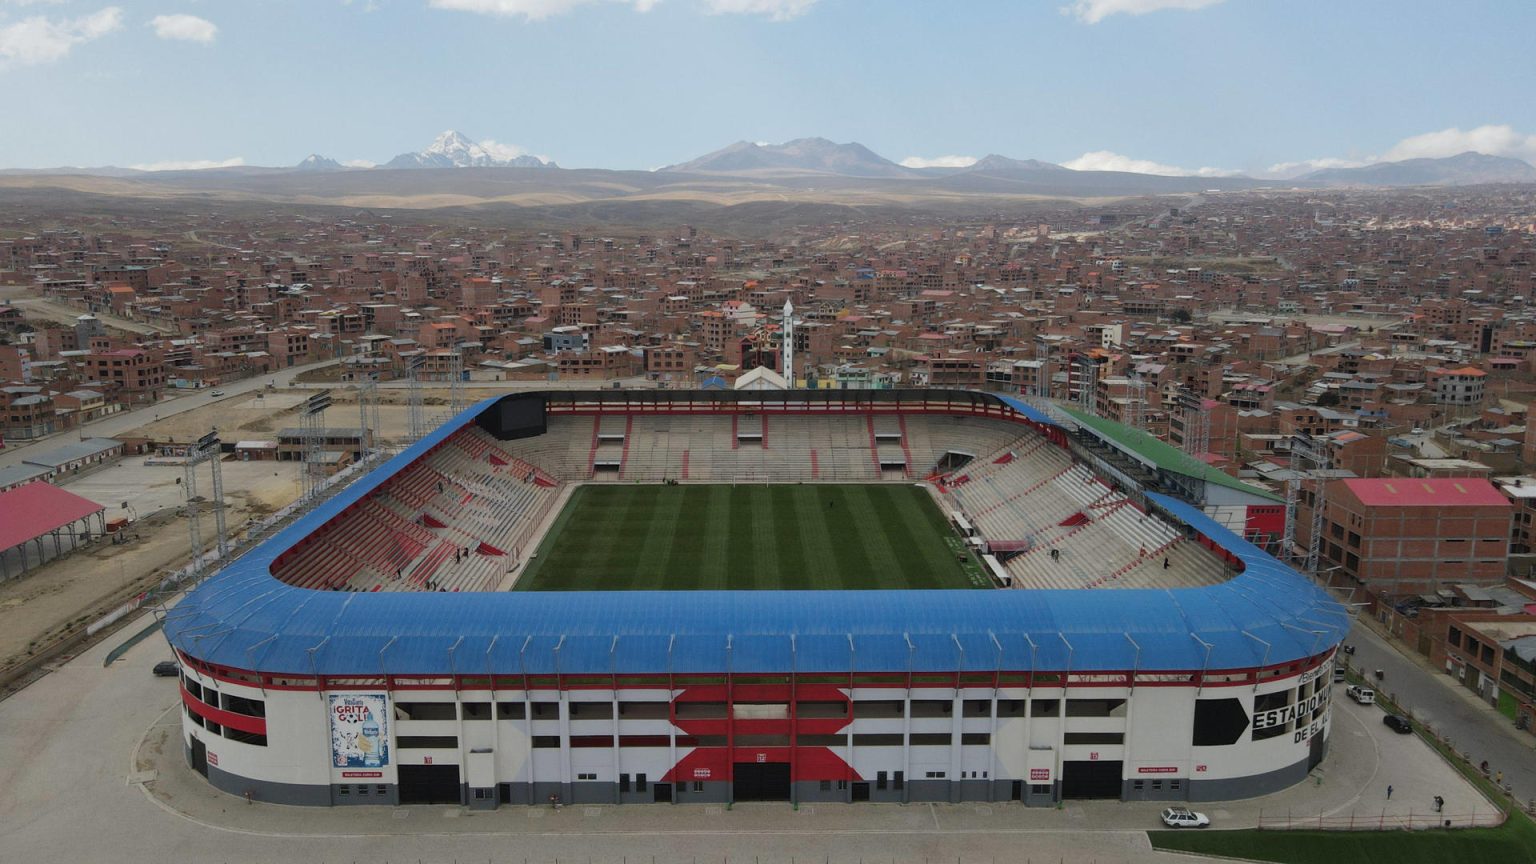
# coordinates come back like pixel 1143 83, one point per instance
pixel 1382 821
pixel 190 575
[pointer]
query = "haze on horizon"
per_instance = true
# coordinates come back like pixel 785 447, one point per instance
pixel 1204 87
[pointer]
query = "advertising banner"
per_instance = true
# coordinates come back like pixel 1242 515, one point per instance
pixel 359 730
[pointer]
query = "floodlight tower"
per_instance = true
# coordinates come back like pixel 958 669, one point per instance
pixel 417 426
pixel 204 449
pixel 1043 374
pixel 368 416
pixel 312 422
pixel 1305 459
pixel 1137 418
pixel 455 382
pixel 1197 422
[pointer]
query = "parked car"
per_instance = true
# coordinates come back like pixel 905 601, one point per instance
pixel 1338 674
pixel 216 393
pixel 166 669
pixel 1363 695
pixel 1183 817
pixel 1398 723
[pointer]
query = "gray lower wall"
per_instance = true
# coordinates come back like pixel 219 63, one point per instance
pixel 278 793
pixel 716 792
pixel 1251 786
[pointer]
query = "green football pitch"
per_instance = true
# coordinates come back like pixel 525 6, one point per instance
pixel 750 537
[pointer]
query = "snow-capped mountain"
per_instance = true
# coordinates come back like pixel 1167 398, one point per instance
pixel 454 150
pixel 316 162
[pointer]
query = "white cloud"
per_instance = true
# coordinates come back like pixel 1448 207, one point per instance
pixel 502 152
pixel 190 164
pixel 538 10
pixel 938 162
pixel 187 28
pixel 1094 11
pixel 777 10
pixel 1296 169
pixel 39 39
pixel 1491 140
pixel 359 163
pixel 531 10
pixel 1104 160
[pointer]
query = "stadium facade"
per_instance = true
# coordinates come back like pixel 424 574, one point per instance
pixel 313 674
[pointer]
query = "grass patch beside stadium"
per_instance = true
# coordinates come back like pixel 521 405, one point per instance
pixel 750 537
pixel 1510 843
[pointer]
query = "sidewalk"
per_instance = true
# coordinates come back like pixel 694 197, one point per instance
pixel 1503 723
pixel 1352 781
pixel 1472 726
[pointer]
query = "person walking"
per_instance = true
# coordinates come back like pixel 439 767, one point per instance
pixel 1389 791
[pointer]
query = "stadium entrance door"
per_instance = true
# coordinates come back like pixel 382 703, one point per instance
pixel 429 784
pixel 199 756
pixel 761 781
pixel 1091 779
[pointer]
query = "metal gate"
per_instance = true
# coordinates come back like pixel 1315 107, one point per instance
pixel 429 784
pixel 1091 779
pixel 761 781
pixel 199 756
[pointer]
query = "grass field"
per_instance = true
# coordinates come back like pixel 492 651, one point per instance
pixel 750 537
pixel 1512 843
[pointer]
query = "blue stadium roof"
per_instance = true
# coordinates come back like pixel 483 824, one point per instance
pixel 243 617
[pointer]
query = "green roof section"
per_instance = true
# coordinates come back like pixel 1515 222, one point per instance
pixel 1161 453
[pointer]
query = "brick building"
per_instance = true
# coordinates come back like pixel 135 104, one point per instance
pixel 1399 536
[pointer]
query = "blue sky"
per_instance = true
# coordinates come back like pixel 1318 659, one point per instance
pixel 1228 85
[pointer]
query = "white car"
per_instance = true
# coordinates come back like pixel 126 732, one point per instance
pixel 1183 817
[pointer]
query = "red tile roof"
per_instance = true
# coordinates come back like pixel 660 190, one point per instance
pixel 1430 492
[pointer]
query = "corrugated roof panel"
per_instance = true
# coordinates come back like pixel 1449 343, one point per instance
pixel 245 618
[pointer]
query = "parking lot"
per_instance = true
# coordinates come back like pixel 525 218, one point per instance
pixel 99 747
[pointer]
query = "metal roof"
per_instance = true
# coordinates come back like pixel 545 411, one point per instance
pixel 10 475
pixel 37 508
pixel 73 451
pixel 243 617
pixel 1160 453
pixel 1437 492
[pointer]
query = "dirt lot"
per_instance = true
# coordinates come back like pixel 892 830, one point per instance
pixel 69 592
pixel 260 415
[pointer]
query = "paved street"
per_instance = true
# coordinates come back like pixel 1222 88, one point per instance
pixel 117 424
pixel 1437 699
pixel 99 747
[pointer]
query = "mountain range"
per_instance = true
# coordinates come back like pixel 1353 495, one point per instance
pixel 745 186
pixel 802 155
pixel 1463 169
pixel 453 150
pixel 800 162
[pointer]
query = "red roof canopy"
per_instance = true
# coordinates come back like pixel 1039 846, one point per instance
pixel 35 509
pixel 1427 492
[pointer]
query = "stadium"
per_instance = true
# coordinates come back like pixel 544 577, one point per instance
pixel 725 596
